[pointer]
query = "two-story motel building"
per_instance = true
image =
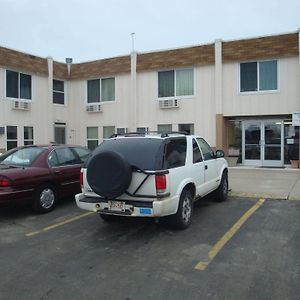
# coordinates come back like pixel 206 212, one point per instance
pixel 239 95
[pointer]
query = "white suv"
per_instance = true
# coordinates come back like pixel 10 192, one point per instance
pixel 146 175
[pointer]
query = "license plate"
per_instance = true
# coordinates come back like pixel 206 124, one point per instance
pixel 116 206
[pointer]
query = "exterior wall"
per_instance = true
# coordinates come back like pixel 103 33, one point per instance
pixel 284 101
pixel 199 109
pixel 216 90
pixel 36 116
pixel 114 113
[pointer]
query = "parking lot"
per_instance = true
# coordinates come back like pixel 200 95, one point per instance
pixel 239 249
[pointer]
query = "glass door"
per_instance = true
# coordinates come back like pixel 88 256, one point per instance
pixel 252 148
pixel 272 142
pixel 263 143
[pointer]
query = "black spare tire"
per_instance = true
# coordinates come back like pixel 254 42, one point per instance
pixel 108 174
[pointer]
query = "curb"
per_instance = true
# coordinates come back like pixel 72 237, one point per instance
pixel 265 196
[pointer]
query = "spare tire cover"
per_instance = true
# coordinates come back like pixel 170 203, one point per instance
pixel 109 174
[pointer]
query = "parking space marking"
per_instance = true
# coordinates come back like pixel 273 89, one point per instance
pixel 53 226
pixel 202 265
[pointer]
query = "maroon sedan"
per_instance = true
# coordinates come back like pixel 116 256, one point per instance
pixel 40 175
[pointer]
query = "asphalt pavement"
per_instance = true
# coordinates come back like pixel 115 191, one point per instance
pixel 265 183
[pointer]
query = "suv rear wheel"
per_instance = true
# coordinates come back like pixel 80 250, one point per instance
pixel 183 218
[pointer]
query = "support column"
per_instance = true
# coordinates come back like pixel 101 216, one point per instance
pixel 133 110
pixel 48 126
pixel 221 139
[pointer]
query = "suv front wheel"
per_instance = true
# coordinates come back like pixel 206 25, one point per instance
pixel 183 218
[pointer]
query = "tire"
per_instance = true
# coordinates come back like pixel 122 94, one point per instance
pixel 183 218
pixel 221 194
pixel 45 198
pixel 109 174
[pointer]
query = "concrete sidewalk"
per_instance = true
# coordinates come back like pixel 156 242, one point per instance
pixel 264 182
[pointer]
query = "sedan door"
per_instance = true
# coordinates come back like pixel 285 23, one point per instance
pixel 65 170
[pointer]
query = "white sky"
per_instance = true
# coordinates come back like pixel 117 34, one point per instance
pixel 90 29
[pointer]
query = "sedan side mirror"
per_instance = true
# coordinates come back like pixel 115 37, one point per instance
pixel 219 154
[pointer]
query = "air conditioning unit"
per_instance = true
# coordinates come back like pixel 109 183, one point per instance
pixel 171 103
pixel 93 108
pixel 21 105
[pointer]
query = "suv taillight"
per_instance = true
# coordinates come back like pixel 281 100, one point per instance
pixel 4 182
pixel 81 178
pixel 160 183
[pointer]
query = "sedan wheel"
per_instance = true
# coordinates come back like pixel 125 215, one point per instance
pixel 45 199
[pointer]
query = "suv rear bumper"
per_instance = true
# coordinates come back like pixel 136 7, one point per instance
pixel 134 208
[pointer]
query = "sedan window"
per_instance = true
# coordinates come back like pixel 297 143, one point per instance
pixel 21 157
pixel 82 153
pixel 62 157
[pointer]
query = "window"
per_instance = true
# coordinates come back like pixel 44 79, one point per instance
pixel 188 128
pixel 197 157
pixel 258 76
pixel 176 83
pixel 58 92
pixel 18 85
pixel 82 153
pixel 28 135
pixel 60 133
pixel 62 157
pixel 101 90
pixel 164 128
pixel 108 131
pixel 11 137
pixel 121 130
pixel 207 152
pixel 92 137
pixel 175 153
pixel 142 130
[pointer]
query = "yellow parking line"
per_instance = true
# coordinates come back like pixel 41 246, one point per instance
pixel 45 229
pixel 202 265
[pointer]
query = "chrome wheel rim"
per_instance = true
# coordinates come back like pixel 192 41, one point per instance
pixel 47 198
pixel 186 210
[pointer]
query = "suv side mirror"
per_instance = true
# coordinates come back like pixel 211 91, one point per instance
pixel 219 154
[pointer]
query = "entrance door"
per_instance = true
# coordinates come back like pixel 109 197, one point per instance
pixel 263 143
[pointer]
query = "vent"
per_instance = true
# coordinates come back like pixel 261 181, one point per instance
pixel 93 108
pixel 172 103
pixel 21 105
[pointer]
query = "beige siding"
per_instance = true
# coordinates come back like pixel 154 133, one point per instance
pixel 284 101
pixel 199 109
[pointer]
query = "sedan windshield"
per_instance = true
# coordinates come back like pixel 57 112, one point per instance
pixel 21 157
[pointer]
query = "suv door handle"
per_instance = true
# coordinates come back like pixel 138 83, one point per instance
pixel 206 167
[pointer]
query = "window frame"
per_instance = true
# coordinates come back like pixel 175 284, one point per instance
pixel 100 91
pixel 107 126
pixel 175 81
pixel 11 140
pixel 56 91
pixel 19 86
pixel 258 91
pixel 28 140
pixel 92 139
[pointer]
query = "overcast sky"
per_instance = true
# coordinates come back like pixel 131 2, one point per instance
pixel 93 29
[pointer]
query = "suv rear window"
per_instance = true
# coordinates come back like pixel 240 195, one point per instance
pixel 175 153
pixel 146 154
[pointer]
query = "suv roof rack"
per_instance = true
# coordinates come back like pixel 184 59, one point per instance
pixel 163 134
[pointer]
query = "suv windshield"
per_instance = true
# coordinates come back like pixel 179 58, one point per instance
pixel 21 157
pixel 143 153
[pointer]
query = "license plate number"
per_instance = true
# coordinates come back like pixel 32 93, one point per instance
pixel 116 206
